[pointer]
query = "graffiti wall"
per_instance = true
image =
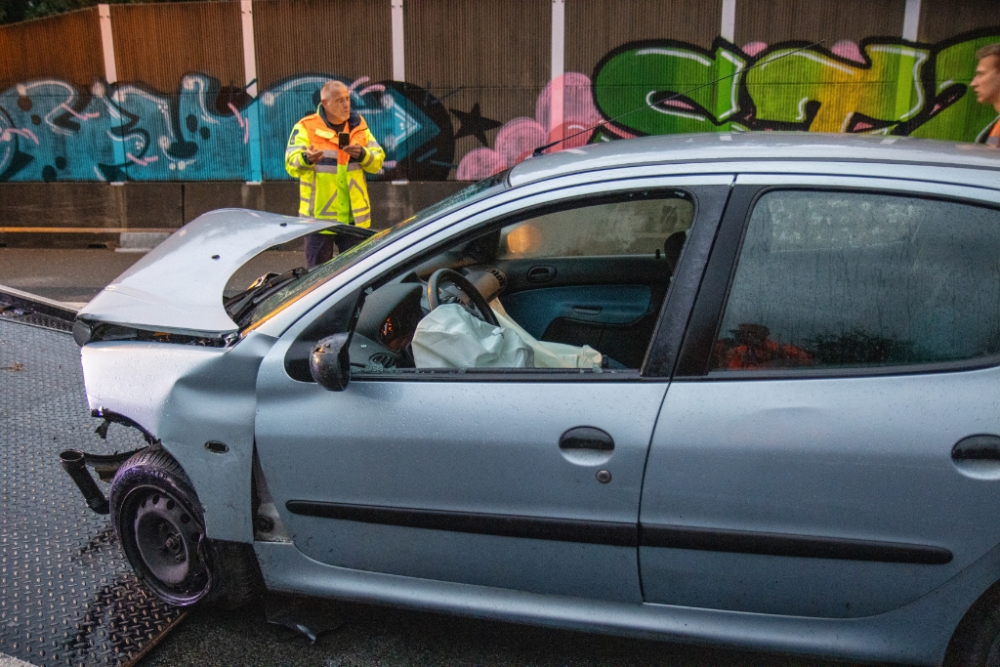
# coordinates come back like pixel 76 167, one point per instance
pixel 50 130
pixel 53 130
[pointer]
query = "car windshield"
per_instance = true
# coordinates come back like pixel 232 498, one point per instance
pixel 320 274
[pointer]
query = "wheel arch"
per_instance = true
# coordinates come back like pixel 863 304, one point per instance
pixel 980 619
pixel 159 519
pixel 207 425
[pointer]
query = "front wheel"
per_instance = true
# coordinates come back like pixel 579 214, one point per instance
pixel 159 522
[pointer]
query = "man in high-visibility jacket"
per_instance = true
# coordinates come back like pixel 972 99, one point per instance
pixel 331 178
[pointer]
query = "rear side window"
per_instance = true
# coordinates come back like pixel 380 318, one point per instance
pixel 849 279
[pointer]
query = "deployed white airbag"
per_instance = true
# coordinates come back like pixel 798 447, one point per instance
pixel 451 337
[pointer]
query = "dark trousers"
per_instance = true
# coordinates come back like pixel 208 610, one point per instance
pixel 319 247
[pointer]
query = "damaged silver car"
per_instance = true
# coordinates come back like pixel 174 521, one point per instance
pixel 728 389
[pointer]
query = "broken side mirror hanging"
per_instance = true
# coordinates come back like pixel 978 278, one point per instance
pixel 330 362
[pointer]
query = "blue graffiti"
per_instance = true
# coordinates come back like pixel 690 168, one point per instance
pixel 398 125
pixel 50 130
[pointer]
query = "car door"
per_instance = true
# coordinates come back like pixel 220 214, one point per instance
pixel 829 445
pixel 517 478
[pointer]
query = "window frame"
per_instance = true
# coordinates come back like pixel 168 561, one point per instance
pixel 710 190
pixel 713 297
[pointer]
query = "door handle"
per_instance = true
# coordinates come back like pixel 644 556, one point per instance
pixel 541 274
pixel 977 448
pixel 588 438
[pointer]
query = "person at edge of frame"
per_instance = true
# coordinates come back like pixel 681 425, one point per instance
pixel 986 83
pixel 328 152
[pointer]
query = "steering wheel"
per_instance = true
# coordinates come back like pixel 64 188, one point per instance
pixel 462 283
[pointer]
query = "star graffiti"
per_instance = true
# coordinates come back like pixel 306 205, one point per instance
pixel 473 123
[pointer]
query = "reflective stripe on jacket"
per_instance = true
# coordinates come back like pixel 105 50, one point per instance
pixel 333 188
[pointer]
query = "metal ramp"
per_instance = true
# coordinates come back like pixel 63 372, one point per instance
pixel 67 595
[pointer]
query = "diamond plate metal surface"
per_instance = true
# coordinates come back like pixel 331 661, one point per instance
pixel 27 316
pixel 67 595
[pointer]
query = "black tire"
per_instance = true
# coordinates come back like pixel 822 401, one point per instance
pixel 976 642
pixel 161 527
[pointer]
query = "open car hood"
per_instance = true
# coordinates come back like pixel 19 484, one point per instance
pixel 178 286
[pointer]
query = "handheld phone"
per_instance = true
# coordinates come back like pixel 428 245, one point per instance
pixel 344 139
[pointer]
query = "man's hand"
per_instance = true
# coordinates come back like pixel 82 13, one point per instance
pixel 314 155
pixel 353 150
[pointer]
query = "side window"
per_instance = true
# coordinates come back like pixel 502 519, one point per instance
pixel 638 227
pixel 850 279
pixel 577 288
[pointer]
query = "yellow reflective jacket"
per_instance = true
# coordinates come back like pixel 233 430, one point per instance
pixel 333 188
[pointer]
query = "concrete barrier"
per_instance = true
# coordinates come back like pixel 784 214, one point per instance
pixel 134 215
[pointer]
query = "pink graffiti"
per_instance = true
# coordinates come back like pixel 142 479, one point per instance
pixel 374 88
pixel 142 161
pixel 245 124
pixel 517 139
pixel 753 48
pixel 848 50
pixel 27 134
pixel 845 48
pixel 80 116
pixel 680 104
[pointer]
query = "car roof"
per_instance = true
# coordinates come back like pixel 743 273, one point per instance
pixel 711 147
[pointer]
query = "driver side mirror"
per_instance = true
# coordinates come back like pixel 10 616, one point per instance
pixel 330 362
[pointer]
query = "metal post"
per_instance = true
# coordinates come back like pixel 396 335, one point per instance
pixel 107 43
pixel 905 78
pixel 253 109
pixel 558 87
pixel 728 28
pixel 398 56
pixel 911 20
pixel 398 42
pixel 724 90
pixel 111 76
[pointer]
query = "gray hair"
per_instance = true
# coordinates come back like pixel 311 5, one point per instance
pixel 326 92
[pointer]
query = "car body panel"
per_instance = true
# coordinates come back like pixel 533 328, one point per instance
pixel 781 457
pixel 916 634
pixel 200 394
pixel 178 285
pixel 382 445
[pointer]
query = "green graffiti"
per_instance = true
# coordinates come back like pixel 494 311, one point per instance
pixel 885 86
pixel 633 86
pixel 884 91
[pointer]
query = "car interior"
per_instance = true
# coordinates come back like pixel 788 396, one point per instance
pixel 861 279
pixel 581 287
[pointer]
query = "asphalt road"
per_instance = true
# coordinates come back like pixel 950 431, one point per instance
pixel 365 635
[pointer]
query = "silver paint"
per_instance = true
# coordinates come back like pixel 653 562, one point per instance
pixel 178 285
pixel 771 456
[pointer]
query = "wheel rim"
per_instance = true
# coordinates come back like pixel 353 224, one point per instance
pixel 164 548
